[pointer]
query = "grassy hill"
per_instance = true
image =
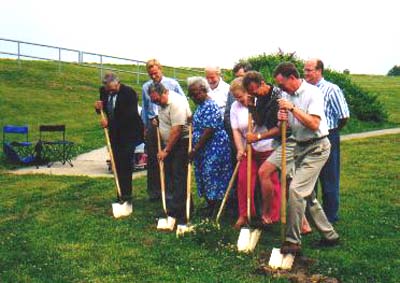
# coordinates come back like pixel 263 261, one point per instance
pixel 387 89
pixel 59 229
pixel 36 92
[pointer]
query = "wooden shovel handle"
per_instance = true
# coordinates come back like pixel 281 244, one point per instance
pixel 189 177
pixel 249 161
pixel 162 173
pixel 283 181
pixel 110 151
pixel 230 185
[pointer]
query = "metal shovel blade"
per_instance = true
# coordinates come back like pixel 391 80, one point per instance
pixel 254 237
pixel 166 224
pixel 244 239
pixel 279 260
pixel 248 239
pixel 181 230
pixel 117 210
pixel 121 210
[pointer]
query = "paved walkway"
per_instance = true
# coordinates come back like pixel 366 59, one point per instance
pixel 93 164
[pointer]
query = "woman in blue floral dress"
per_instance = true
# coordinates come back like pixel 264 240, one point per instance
pixel 211 150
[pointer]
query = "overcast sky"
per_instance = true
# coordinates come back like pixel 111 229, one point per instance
pixel 362 36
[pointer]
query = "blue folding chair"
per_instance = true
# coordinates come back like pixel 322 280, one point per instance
pixel 19 152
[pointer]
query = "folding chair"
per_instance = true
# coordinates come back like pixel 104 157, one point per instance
pixel 19 152
pixel 55 149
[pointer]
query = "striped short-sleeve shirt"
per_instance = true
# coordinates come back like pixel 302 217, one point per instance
pixel 335 104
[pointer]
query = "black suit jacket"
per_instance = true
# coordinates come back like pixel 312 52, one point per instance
pixel 126 126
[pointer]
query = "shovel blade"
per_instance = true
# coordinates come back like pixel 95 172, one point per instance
pixel 279 260
pixel 254 237
pixel 182 229
pixel 121 210
pixel 166 224
pixel 287 261
pixel 244 240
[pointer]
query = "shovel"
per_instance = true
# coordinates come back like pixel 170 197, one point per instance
pixel 119 210
pixel 230 185
pixel 277 259
pixel 182 229
pixel 248 237
pixel 168 223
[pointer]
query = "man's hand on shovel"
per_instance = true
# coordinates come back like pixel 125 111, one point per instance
pixel 104 123
pixel 162 155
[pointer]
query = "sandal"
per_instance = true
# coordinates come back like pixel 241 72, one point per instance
pixel 242 220
pixel 265 220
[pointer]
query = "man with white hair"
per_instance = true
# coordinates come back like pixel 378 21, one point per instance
pixel 120 104
pixel 219 89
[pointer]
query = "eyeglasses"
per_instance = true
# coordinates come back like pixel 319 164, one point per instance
pixel 309 70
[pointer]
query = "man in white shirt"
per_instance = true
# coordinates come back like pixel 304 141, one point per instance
pixel 219 89
pixel 303 108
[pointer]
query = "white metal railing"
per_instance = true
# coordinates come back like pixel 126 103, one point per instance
pixel 15 48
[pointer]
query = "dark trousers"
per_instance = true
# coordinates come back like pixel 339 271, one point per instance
pixel 329 178
pixel 153 170
pixel 175 166
pixel 123 157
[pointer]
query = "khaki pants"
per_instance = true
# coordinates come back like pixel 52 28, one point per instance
pixel 309 160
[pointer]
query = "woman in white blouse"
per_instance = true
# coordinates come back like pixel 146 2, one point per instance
pixel 260 152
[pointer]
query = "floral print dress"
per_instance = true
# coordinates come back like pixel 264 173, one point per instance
pixel 213 167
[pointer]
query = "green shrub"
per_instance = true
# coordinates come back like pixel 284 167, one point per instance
pixel 395 71
pixel 363 105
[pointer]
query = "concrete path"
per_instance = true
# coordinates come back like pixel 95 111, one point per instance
pixel 370 134
pixel 93 164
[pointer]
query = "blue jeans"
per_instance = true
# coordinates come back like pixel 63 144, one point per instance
pixel 330 177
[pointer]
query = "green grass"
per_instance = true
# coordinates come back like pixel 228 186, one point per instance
pixel 59 229
pixel 388 91
pixel 35 92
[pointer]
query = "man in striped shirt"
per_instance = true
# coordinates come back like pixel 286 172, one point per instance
pixel 337 113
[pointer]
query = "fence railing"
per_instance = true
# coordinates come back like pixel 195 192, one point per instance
pixel 28 50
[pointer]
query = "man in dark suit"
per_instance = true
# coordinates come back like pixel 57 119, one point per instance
pixel 125 127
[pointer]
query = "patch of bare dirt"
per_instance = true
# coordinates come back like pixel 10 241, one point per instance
pixel 298 274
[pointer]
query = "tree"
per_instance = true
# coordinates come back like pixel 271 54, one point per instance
pixel 395 71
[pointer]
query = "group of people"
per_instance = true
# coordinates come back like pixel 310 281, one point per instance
pixel 228 118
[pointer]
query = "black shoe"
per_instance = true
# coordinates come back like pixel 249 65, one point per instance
pixel 290 248
pixel 326 243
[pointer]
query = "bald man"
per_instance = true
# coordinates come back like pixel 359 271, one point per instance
pixel 337 114
pixel 219 89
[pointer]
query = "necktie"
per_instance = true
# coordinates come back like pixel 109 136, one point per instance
pixel 111 105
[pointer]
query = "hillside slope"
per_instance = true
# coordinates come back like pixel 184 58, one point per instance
pixel 35 92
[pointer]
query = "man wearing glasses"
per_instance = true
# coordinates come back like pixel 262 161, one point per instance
pixel 337 114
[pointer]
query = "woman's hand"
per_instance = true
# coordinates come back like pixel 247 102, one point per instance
pixel 240 154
